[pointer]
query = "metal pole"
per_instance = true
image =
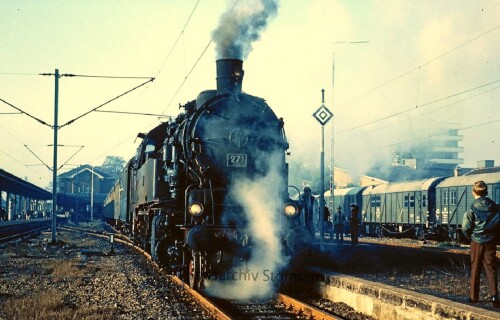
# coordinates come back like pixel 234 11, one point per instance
pixel 92 195
pixel 54 168
pixel 76 194
pixel 322 191
pixel 332 164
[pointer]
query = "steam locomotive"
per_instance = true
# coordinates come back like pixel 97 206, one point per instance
pixel 179 196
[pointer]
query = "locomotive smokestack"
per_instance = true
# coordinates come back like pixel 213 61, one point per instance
pixel 229 76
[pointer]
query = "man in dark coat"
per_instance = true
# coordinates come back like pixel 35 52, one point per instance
pixel 354 223
pixel 338 222
pixel 481 224
pixel 307 205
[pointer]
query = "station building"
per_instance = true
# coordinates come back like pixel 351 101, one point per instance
pixel 82 190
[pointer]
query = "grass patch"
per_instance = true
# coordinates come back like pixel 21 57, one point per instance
pixel 67 269
pixel 50 305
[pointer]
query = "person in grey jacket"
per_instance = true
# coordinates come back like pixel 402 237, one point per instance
pixel 481 224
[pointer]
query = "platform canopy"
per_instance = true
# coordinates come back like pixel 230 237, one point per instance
pixel 12 184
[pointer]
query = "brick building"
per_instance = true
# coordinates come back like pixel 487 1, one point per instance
pixel 81 187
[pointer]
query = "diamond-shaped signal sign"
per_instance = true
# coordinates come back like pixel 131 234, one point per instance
pixel 323 115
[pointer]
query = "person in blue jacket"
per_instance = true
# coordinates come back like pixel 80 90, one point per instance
pixel 481 224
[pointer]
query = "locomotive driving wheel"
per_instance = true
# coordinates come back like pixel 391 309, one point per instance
pixel 195 271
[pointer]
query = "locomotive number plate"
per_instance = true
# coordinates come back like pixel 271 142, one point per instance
pixel 237 160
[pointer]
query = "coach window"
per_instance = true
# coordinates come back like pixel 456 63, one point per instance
pixel 424 201
pixel 412 201
pixel 445 198
pixel 375 201
pixel 496 195
pixel 406 202
pixel 453 197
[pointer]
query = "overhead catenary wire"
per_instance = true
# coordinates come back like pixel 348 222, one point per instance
pixel 26 113
pixel 102 77
pixel 187 76
pixel 454 103
pixel 364 150
pixel 193 67
pixel 428 136
pixel 110 77
pixel 419 106
pixel 107 102
pixel 178 38
pixel 418 94
pixel 157 75
pixel 135 113
pixel 426 63
pixel 150 79
pixel 160 69
pixel 36 156
pixel 71 157
pixel 51 145
pixel 15 138
pixel 22 164
pixel 19 74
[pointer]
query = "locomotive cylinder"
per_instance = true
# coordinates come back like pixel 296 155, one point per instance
pixel 229 76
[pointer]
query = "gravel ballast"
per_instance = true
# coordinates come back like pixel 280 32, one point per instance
pixel 78 278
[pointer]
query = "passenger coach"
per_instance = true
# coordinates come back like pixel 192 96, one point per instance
pixel 454 197
pixel 400 208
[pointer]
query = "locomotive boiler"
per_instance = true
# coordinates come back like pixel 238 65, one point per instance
pixel 177 196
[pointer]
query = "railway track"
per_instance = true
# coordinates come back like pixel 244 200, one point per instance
pixel 380 261
pixel 282 307
pixel 15 230
pixel 279 308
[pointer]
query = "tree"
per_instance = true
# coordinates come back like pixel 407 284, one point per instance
pixel 113 165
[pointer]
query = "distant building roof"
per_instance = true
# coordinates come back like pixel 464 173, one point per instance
pixel 483 170
pixel 72 173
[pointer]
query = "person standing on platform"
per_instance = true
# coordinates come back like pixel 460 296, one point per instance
pixel 307 204
pixel 338 223
pixel 354 223
pixel 481 224
pixel 327 224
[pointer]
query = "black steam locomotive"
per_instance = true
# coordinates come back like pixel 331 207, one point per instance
pixel 177 198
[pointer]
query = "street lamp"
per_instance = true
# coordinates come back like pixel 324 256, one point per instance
pixel 332 163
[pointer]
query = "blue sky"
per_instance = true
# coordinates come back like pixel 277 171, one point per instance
pixel 426 63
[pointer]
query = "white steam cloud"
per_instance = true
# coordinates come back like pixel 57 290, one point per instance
pixel 241 25
pixel 256 278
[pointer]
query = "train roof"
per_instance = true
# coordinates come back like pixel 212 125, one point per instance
pixel 345 191
pixel 468 180
pixel 403 186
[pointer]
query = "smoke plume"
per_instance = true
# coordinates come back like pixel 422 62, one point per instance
pixel 258 277
pixel 241 25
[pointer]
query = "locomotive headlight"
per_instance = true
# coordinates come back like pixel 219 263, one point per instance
pixel 290 210
pixel 196 209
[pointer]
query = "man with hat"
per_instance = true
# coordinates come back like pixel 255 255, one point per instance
pixel 338 224
pixel 354 223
